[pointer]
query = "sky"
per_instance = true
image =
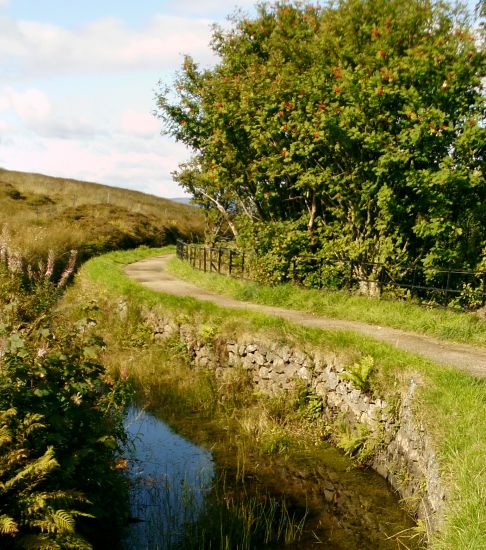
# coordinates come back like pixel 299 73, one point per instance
pixel 78 81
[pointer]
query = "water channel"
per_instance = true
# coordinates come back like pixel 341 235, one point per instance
pixel 173 479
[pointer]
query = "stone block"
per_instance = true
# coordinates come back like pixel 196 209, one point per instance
pixel 304 373
pixel 259 358
pixel 264 373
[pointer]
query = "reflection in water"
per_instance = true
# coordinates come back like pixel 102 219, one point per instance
pixel 346 509
pixel 170 477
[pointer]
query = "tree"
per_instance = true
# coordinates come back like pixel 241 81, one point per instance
pixel 361 120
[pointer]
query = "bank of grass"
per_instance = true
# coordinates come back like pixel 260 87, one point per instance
pixel 442 323
pixel 43 213
pixel 450 404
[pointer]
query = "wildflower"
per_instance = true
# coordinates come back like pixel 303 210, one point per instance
pixel 77 398
pixel 41 352
pixel 14 262
pixel 4 238
pixel 50 265
pixel 68 269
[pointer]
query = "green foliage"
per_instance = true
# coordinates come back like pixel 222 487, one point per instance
pixel 358 443
pixel 207 333
pixel 61 422
pixel 359 374
pixel 354 130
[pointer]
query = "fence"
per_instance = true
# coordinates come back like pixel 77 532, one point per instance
pixel 439 286
pixel 213 259
pixel 436 285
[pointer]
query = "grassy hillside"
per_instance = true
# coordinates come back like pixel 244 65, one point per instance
pixel 43 213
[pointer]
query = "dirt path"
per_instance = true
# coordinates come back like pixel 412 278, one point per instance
pixel 152 274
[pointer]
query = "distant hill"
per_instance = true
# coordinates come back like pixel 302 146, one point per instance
pixel 43 213
pixel 183 200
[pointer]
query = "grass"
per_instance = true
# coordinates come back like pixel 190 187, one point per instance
pixel 44 213
pixel 445 324
pixel 451 405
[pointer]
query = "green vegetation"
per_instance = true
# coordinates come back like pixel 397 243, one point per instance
pixel 53 214
pixel 60 420
pixel 451 405
pixel 443 323
pixel 349 131
pixel 243 522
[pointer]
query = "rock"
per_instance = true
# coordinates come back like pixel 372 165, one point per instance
pixel 259 358
pixel 264 373
pixel 304 373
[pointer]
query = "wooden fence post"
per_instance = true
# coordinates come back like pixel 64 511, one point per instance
pixel 447 286
pixel 483 301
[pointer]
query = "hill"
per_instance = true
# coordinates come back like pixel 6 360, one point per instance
pixel 45 213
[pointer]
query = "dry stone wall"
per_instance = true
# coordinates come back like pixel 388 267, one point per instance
pixel 402 454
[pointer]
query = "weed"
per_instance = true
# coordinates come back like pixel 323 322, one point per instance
pixel 208 333
pixel 359 374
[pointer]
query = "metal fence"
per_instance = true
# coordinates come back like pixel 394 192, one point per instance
pixel 438 286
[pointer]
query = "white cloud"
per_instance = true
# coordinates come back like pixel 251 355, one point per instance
pixel 37 112
pixel 32 105
pixel 4 3
pixel 139 123
pixel 35 48
pixel 4 103
pixel 4 127
pixel 122 161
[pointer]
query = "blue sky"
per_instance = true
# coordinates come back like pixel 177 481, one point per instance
pixel 78 79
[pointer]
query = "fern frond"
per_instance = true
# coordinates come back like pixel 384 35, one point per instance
pixel 63 521
pixel 34 471
pixel 64 498
pixel 8 525
pixel 54 521
pixel 5 437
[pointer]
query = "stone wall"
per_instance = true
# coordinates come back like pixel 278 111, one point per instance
pixel 402 453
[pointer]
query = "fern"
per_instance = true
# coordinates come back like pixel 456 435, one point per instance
pixel 35 471
pixel 31 518
pixel 8 526
pixel 359 374
pixel 64 521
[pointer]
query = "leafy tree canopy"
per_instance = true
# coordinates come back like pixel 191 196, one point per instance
pixel 360 122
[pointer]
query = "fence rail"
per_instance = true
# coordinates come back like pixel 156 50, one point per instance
pixel 439 286
pixel 213 259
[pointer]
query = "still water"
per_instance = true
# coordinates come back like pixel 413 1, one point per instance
pixel 170 478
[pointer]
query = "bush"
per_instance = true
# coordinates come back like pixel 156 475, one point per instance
pixel 61 421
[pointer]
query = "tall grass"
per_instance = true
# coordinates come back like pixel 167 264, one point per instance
pixel 45 213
